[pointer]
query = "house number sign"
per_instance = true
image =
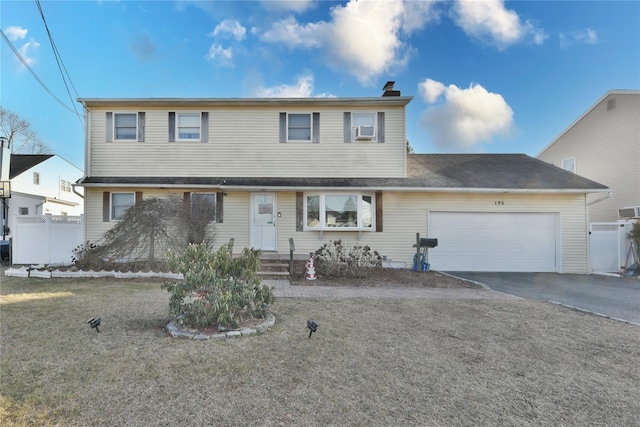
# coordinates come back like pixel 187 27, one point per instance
pixel 499 203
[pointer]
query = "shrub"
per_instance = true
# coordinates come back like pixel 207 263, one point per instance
pixel 338 259
pixel 87 256
pixel 217 287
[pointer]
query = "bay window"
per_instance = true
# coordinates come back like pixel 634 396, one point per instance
pixel 339 211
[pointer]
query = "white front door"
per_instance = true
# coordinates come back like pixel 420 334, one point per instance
pixel 263 221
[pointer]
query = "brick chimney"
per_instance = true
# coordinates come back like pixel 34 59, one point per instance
pixel 388 89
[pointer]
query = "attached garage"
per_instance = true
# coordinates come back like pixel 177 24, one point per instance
pixel 495 241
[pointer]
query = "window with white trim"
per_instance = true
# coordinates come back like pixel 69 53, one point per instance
pixel 65 186
pixel 36 178
pixel 23 211
pixel 125 126
pixel 120 202
pixel 363 126
pixel 298 127
pixel 339 211
pixel 203 205
pixel 188 126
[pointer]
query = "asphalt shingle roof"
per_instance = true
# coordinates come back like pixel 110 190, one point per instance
pixel 23 162
pixel 425 172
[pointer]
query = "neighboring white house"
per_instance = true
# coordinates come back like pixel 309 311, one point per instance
pixel 321 169
pixel 603 144
pixel 42 184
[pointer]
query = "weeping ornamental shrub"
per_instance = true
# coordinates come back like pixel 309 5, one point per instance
pixel 217 287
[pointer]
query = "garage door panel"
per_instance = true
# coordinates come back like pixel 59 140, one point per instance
pixel 496 241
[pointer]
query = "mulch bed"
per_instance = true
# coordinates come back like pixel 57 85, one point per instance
pixel 391 277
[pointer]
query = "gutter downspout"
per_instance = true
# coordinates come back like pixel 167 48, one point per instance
pixel 605 197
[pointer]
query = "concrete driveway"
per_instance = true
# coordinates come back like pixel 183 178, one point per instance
pixel 618 298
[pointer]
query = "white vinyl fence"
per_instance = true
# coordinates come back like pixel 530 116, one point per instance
pixel 609 246
pixel 46 239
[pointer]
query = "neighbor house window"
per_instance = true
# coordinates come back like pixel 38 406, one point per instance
pixel 339 211
pixel 125 126
pixel 203 205
pixel 36 178
pixel 569 165
pixel 65 185
pixel 120 202
pixel 23 211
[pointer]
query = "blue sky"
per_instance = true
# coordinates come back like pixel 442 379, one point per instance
pixel 486 76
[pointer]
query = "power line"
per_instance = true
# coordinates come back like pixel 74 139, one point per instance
pixel 24 62
pixel 60 62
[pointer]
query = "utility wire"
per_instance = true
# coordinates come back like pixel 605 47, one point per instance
pixel 24 62
pixel 60 62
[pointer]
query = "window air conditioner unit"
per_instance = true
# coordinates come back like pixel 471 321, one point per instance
pixel 365 133
pixel 629 212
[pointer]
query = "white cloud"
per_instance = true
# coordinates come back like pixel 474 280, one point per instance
pixel 26 51
pixel 15 33
pixel 289 32
pixel 302 88
pixel 466 117
pixel 586 36
pixel 431 90
pixel 490 22
pixel 220 56
pixel 229 27
pixel 363 37
pixel 297 6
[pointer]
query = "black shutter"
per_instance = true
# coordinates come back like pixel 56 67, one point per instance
pixel 347 127
pixel 283 127
pixel 172 126
pixel 204 127
pixel 219 207
pixel 109 127
pixel 379 211
pixel 299 211
pixel 381 126
pixel 106 202
pixel 316 128
pixel 141 127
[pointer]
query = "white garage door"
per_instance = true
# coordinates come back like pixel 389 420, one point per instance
pixel 495 241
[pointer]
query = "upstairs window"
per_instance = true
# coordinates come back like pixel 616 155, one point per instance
pixel 339 212
pixel 364 126
pixel 188 126
pixel 124 126
pixel 65 186
pixel 300 127
pixel 36 178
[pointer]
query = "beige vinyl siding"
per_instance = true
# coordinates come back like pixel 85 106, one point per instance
pixel 606 146
pixel 406 214
pixel 245 143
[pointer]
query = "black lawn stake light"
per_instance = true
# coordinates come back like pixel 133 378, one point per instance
pixel 313 326
pixel 94 323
